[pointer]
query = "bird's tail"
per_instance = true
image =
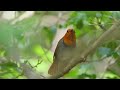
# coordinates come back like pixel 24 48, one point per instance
pixel 57 66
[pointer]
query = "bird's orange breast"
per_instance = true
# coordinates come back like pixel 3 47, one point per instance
pixel 70 38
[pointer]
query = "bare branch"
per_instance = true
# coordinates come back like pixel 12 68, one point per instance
pixel 30 73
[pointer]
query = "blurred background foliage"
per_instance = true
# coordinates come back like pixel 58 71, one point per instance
pixel 28 40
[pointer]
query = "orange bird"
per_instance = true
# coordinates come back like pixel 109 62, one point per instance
pixel 63 52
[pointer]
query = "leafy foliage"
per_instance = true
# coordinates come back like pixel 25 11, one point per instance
pixel 29 42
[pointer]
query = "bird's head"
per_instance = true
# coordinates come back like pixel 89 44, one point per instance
pixel 70 38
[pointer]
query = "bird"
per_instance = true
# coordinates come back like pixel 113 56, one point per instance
pixel 63 52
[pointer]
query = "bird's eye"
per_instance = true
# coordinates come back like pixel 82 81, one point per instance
pixel 67 31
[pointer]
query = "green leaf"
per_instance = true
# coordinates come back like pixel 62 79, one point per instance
pixel 115 55
pixel 9 70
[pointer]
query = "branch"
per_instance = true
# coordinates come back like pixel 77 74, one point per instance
pixel 30 73
pixel 26 14
pixel 88 51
